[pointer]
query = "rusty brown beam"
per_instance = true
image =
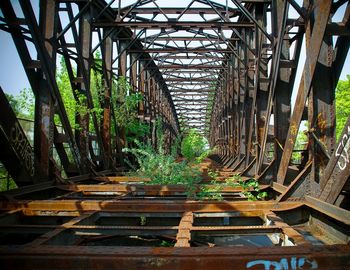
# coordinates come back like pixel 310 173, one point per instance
pixel 174 25
pixel 195 66
pixel 190 79
pixel 146 206
pixel 188 56
pixel 161 189
pixel 181 50
pixel 173 10
pixel 322 257
pixel 194 38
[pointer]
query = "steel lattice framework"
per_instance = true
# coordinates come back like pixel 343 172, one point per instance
pixel 226 68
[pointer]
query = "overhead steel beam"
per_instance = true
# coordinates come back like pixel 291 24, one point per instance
pixel 191 38
pixel 174 25
pixel 173 10
pixel 182 50
pixel 194 66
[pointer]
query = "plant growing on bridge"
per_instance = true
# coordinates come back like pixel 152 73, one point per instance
pixel 212 192
pixel 251 190
pixel 162 168
pixel 6 181
pixel 251 187
pixel 194 146
pixel 126 103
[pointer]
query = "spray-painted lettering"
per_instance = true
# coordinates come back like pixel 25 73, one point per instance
pixel 343 151
pixel 293 263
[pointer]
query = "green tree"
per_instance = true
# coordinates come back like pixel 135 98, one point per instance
pixel 342 101
pixel 193 145
pixel 66 92
pixel 13 102
pixel 77 105
pixel 23 104
pixel 126 104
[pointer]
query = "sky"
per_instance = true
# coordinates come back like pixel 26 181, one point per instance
pixel 13 78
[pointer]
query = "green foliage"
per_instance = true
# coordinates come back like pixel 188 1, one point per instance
pixel 204 154
pixel 143 220
pixel 183 123
pixel 136 130
pixel 251 190
pixel 126 105
pixel 126 101
pixel 213 174
pixel 161 168
pixel 193 146
pixel 23 104
pixel 165 243
pixel 75 102
pixel 66 91
pixel 13 102
pixel 4 177
pixel 342 101
pixel 175 147
pixel 97 90
pixel 233 181
pixel 300 144
pixel 26 103
pixel 211 192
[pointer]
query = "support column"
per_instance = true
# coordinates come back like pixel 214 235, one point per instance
pixel 313 48
pixel 262 86
pixel 133 71
pixel 44 105
pixel 283 92
pixel 82 117
pixel 107 53
pixel 321 115
pixel 122 62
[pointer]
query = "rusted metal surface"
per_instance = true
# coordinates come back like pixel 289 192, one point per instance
pixel 337 171
pixel 160 189
pixel 16 151
pixel 288 192
pixel 329 209
pixel 44 126
pixel 134 205
pixel 335 257
pixel 314 46
pixel 184 232
pixel 121 179
pixel 70 243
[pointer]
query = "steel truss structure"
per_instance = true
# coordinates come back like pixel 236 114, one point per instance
pixel 226 68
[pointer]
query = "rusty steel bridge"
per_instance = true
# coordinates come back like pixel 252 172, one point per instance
pixel 227 68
